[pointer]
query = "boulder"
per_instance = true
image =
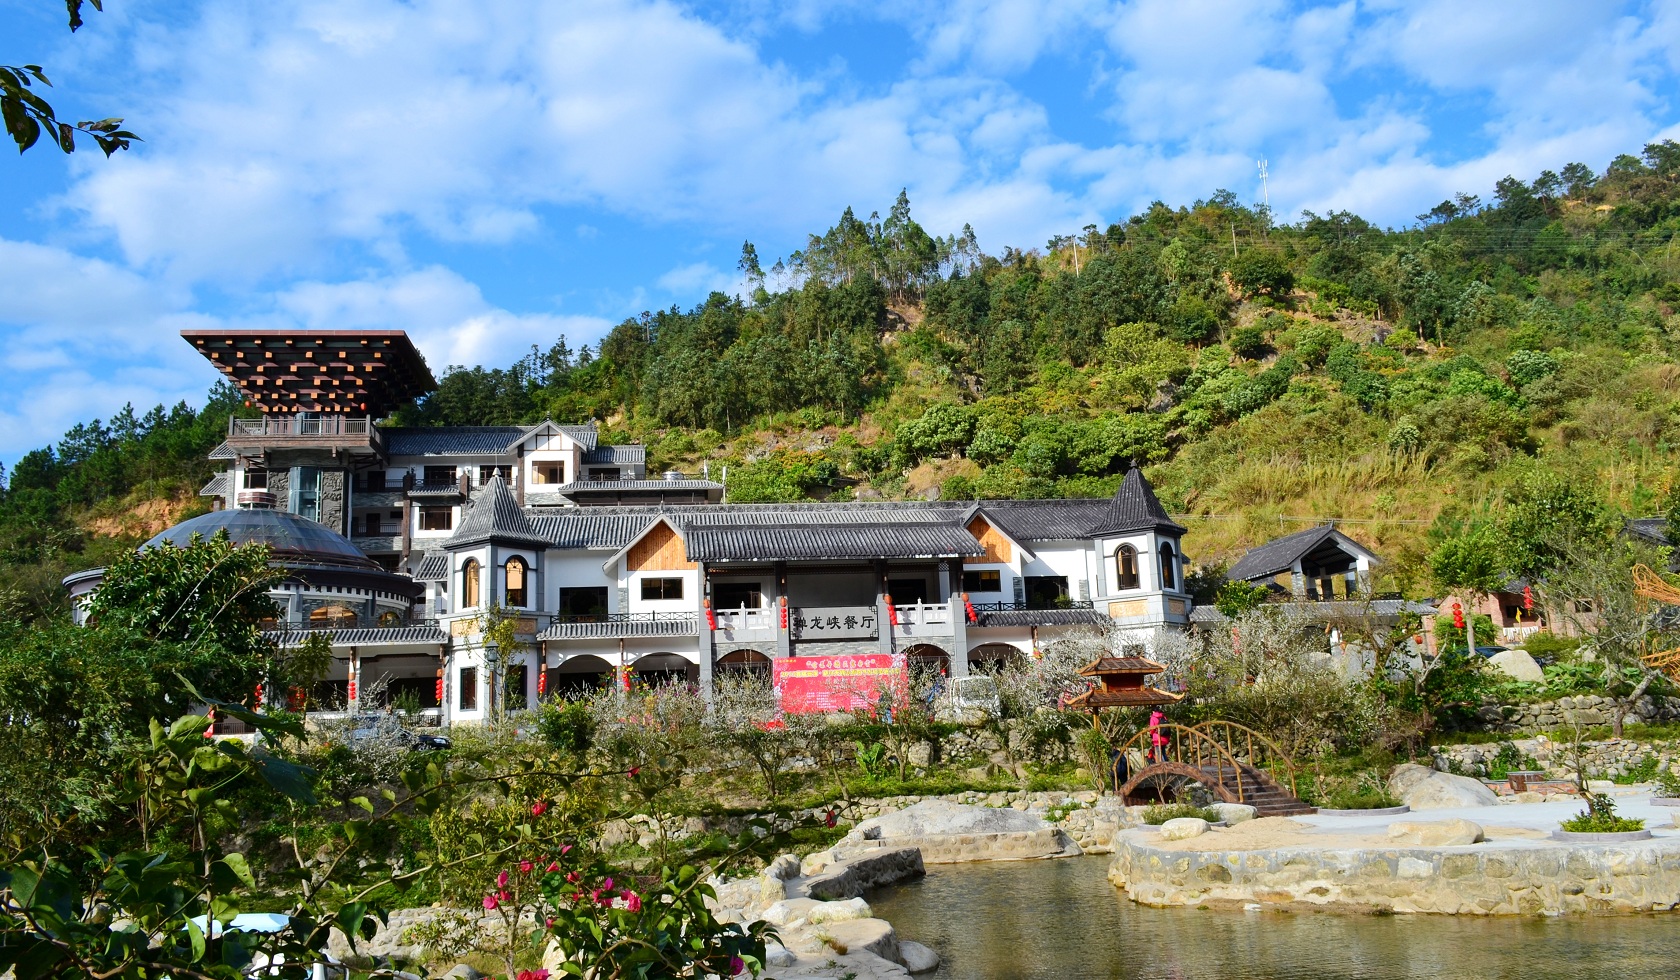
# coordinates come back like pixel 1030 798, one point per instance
pixel 784 867
pixel 789 912
pixel 1233 813
pixel 775 954
pixel 1183 828
pixel 462 971
pixel 1435 833
pixel 916 957
pixel 1517 665
pixel 870 935
pixel 932 818
pixel 850 878
pixel 1425 789
pixel 845 911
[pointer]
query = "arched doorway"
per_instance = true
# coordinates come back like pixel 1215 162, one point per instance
pixel 745 664
pixel 990 658
pixel 578 676
pixel 660 669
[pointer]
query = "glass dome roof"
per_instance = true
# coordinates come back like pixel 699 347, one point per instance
pixel 293 538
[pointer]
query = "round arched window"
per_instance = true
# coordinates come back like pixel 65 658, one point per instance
pixel 516 574
pixel 469 583
pixel 1125 567
pixel 1169 567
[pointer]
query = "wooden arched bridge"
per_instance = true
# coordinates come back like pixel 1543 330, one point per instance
pixel 1235 764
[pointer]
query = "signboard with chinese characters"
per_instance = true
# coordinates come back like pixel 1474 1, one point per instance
pixel 845 683
pixel 807 623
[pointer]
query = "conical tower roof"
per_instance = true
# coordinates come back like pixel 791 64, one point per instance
pixel 1135 508
pixel 494 515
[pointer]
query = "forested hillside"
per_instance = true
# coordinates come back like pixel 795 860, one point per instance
pixel 1500 357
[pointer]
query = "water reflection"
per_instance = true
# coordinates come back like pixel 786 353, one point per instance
pixel 1058 920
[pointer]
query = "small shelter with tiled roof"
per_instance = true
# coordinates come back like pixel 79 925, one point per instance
pixel 1122 682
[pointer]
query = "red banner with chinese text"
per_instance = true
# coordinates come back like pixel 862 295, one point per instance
pixel 840 683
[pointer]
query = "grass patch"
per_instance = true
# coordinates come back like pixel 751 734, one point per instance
pixel 1600 818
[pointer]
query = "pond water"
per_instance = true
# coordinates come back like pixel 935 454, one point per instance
pixel 1062 920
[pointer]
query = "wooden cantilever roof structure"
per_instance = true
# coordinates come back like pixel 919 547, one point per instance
pixel 360 372
pixel 1121 684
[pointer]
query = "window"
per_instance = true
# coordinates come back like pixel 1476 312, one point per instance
pixel 548 472
pixel 515 571
pixel 466 689
pixel 256 478
pixel 983 581
pixel 907 591
pixel 1125 567
pixel 437 518
pixel 371 524
pixel 586 604
pixel 737 595
pixel 661 588
pixel 1047 591
pixel 469 583
pixel 390 618
pixel 306 492
pixel 486 472
pixel 438 476
pixel 606 474
pixel 333 615
pixel 1169 567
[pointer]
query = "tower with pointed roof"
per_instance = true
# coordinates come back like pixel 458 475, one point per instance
pixel 1139 557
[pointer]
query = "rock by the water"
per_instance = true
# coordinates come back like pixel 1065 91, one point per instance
pixel 1233 813
pixel 784 867
pixel 1422 788
pixel 1183 828
pixel 775 954
pixel 871 935
pixel 932 818
pixel 789 912
pixel 1517 665
pixel 844 911
pixel 916 957
pixel 1435 833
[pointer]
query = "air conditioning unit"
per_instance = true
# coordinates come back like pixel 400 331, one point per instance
pixel 255 500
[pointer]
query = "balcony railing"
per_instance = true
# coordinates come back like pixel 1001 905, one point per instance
pixel 292 426
pixel 745 619
pixel 647 617
pixel 985 607
pixel 912 614
pixel 345 623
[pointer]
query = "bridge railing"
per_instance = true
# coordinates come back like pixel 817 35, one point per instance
pixel 1249 747
pixel 1191 747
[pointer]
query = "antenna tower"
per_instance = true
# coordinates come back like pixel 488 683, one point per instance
pixel 1265 192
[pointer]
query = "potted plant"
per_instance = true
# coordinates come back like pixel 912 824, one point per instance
pixel 1598 824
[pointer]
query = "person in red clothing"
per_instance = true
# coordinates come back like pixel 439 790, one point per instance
pixel 1156 738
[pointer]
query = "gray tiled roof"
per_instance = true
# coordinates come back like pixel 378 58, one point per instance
pixel 828 541
pixel 365 637
pixel 612 630
pixel 591 528
pixel 1045 520
pixel 217 487
pixel 434 567
pixel 584 435
pixel 1279 554
pixel 494 515
pixel 616 455
pixel 1043 617
pixel 446 440
pixel 223 452
pixel 1134 508
pixel 637 486
pixel 1652 529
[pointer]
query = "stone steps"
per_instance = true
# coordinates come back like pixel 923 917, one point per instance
pixel 1267 797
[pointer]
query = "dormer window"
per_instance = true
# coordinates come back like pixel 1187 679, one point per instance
pixel 1126 567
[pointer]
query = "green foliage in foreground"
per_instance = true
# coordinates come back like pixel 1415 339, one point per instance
pixel 1600 818
pixel 1160 813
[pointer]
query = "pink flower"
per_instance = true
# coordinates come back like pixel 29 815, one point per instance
pixel 632 901
pixel 607 884
pixel 553 866
pixel 502 880
pixel 539 808
pixel 635 771
pixel 525 867
pixel 564 849
pixel 490 903
pixel 505 896
pixel 548 923
pixel 532 975
pixel 736 965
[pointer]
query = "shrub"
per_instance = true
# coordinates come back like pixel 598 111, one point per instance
pixel 1249 343
pixel 1359 797
pixel 1668 784
pixel 1642 771
pixel 1600 818
pixel 1159 814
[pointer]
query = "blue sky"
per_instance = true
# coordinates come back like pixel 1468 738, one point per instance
pixel 492 174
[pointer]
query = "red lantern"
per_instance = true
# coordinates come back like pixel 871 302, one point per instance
pixel 542 681
pixel 440 687
pixel 782 603
pixel 892 612
pixel 1458 616
pixel 969 607
pixel 1528 598
pixel 711 617
pixel 352 691
pixel 257 701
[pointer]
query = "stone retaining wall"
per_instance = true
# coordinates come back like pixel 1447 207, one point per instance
pixel 1474 880
pixel 1565 712
pixel 1020 845
pixel 1606 759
